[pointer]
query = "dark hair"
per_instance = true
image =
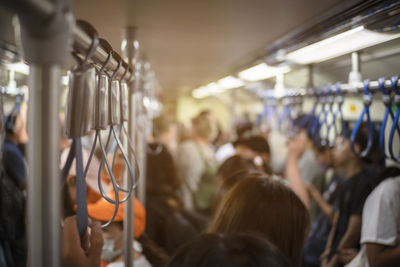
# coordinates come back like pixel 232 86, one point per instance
pixel 264 206
pixel 237 250
pixel 257 143
pixel 243 127
pixel 375 156
pixel 162 179
pixel 232 165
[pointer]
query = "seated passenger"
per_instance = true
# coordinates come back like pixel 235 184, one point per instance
pixel 265 207
pixel 236 250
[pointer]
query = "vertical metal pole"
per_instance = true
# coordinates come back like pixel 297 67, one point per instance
pixel 43 158
pixel 355 74
pixel 130 48
pixel 310 81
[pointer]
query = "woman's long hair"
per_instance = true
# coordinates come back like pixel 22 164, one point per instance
pixel 264 206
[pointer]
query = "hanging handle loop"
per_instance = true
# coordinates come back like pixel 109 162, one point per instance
pixel 387 101
pixel 338 114
pixel 395 126
pixel 367 100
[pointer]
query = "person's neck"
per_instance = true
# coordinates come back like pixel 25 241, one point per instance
pixel 352 168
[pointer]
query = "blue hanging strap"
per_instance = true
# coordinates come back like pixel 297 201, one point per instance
pixel 367 100
pixel 387 101
pixel 75 152
pixel 323 120
pixel 81 198
pixel 315 127
pixel 330 124
pixel 339 113
pixel 395 125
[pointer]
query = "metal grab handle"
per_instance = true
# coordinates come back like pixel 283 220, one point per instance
pixel 127 163
pixel 367 100
pixel 116 202
pixel 395 125
pixel 111 173
pixel 130 146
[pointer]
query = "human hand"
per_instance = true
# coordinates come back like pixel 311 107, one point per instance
pixel 296 147
pixel 85 252
pixel 347 255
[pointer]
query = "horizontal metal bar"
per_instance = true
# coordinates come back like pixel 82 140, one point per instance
pixel 346 89
pixel 82 43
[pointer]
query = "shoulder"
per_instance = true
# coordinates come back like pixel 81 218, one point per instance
pixel 385 190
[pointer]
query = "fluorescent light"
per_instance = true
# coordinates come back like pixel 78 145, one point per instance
pixel 208 90
pixel 19 67
pixel 338 45
pixel 261 72
pixel 199 93
pixel 230 82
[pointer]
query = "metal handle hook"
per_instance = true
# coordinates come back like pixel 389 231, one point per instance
pixel 91 31
pixel 109 51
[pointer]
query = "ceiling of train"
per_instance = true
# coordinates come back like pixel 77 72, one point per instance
pixel 191 43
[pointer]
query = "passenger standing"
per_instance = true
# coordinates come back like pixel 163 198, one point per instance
pixel 380 235
pixel 236 250
pixel 197 167
pixel 265 207
pixel 359 182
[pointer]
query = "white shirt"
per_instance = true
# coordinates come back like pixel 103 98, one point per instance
pixel 381 219
pixel 224 152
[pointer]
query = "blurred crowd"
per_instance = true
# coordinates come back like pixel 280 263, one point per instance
pixel 225 198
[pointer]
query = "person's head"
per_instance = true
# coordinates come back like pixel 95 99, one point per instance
pixel 164 128
pixel 324 155
pixel 344 156
pixel 255 148
pixel 233 165
pixel 202 128
pixel 162 179
pixel 236 250
pixel 268 208
pixel 228 183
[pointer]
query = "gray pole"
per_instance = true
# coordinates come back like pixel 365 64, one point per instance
pixel 45 44
pixel 44 203
pixel 130 48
